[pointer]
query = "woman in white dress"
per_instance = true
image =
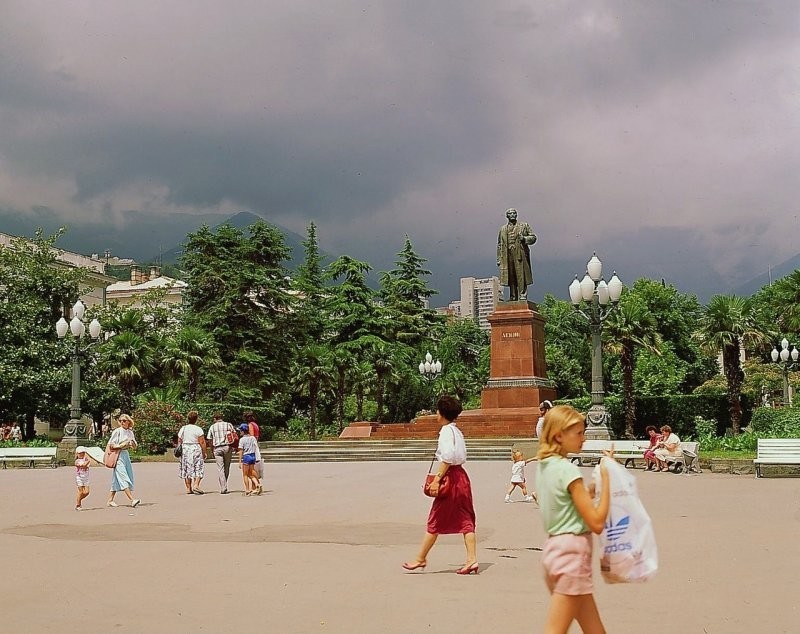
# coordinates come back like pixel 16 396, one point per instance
pixel 192 440
pixel 122 439
pixel 669 445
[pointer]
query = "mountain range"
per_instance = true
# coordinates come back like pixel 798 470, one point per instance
pixel 142 236
pixel 149 237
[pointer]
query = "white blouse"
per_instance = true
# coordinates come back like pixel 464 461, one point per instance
pixel 190 434
pixel 121 435
pixel 451 449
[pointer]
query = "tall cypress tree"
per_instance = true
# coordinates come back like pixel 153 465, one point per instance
pixel 239 293
pixel 404 293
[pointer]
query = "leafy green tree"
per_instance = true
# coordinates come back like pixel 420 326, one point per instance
pixel 629 327
pixel 239 294
pixel 659 373
pixel 778 306
pixel 567 349
pixel 676 315
pixel 34 293
pixel 728 324
pixel 460 351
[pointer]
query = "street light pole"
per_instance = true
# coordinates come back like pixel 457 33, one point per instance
pixel 782 358
pixel 78 329
pixel 430 371
pixel 590 297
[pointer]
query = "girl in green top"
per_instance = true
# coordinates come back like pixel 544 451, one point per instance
pixel 569 514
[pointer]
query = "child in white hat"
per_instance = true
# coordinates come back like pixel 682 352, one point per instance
pixel 81 475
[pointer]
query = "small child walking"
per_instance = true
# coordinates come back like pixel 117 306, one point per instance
pixel 518 476
pixel 81 476
pixel 570 517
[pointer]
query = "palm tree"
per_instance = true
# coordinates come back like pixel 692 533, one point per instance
pixel 341 361
pixel 187 352
pixel 729 323
pixel 127 358
pixel 629 327
pixel 361 377
pixel 312 377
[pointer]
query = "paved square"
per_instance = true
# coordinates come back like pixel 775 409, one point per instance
pixel 320 551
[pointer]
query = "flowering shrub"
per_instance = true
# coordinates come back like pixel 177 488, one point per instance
pixel 156 424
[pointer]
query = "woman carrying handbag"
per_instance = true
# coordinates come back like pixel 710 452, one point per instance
pixel 453 512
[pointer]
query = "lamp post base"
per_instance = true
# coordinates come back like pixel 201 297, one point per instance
pixel 597 423
pixel 74 434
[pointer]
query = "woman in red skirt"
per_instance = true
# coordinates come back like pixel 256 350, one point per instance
pixel 452 513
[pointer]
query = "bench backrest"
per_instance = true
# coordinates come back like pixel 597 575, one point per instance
pixel 778 447
pixel 594 445
pixel 692 446
pixel 34 452
pixel 619 445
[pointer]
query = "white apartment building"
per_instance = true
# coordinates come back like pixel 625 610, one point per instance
pixel 479 298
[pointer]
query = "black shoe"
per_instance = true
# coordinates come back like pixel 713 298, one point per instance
pixel 225 492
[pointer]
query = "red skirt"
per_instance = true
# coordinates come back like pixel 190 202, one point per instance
pixel 454 512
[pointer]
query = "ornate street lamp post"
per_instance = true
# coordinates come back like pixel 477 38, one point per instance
pixel 430 371
pixel 591 297
pixel 78 329
pixel 786 359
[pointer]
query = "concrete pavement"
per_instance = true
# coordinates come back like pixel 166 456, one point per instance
pixel 320 551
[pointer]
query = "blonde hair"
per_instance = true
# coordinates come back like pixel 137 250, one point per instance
pixel 555 421
pixel 123 417
pixel 517 452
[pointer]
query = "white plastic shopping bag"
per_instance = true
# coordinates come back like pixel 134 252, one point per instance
pixel 628 551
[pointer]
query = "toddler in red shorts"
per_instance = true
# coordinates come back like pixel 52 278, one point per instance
pixel 570 517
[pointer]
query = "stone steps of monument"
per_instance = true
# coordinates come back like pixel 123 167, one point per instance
pixel 370 450
pixel 477 430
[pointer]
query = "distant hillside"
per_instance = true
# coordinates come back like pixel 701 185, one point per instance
pixel 243 220
pixel 134 234
pixel 781 270
pixel 143 236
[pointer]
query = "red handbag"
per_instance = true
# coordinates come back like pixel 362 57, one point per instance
pixel 444 482
pixel 444 485
pixel 110 456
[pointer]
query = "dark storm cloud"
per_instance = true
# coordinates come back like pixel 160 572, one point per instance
pixel 595 119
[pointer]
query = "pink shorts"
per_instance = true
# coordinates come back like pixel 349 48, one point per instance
pixel 567 562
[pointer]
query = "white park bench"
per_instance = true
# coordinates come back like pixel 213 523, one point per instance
pixel 30 455
pixel 626 451
pixel 688 459
pixel 777 451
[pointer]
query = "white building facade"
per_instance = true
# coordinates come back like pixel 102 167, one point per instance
pixel 479 298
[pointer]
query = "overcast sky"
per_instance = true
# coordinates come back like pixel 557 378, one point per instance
pixel 664 135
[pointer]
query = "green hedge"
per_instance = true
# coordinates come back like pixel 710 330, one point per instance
pixel 676 410
pixel 38 441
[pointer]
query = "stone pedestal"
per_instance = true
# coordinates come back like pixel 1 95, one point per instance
pixel 517 372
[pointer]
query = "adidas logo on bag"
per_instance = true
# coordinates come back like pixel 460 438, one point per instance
pixel 614 532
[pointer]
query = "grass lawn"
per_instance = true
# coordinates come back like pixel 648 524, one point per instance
pixel 727 454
